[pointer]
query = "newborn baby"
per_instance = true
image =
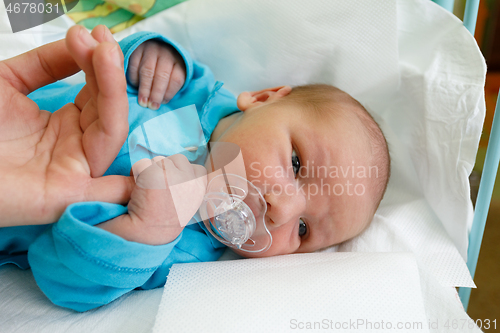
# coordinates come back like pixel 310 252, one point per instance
pixel 316 155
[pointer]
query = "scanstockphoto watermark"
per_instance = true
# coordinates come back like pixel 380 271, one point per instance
pixel 338 180
pixel 354 324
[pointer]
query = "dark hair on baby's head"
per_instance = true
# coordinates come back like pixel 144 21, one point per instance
pixel 327 101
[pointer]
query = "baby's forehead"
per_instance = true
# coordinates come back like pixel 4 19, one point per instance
pixel 341 134
pixel 327 110
pixel 345 118
pixel 339 125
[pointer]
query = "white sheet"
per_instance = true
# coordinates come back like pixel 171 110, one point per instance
pixel 414 67
pixel 430 105
pixel 425 89
pixel 350 291
pixel 24 308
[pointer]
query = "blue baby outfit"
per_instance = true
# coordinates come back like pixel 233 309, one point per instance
pixel 82 267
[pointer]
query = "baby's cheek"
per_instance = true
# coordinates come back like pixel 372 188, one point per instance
pixel 284 241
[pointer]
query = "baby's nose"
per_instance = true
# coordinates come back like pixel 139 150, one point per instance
pixel 283 207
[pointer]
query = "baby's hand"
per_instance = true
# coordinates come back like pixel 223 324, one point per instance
pixel 159 72
pixel 167 194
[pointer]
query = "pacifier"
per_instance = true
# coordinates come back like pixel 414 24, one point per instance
pixel 233 211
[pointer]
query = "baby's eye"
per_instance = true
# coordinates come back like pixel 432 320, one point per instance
pixel 302 228
pixel 295 163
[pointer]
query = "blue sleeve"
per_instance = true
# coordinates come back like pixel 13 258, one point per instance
pixel 82 267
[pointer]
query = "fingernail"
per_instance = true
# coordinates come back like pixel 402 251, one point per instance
pixel 153 105
pixel 86 38
pixel 143 101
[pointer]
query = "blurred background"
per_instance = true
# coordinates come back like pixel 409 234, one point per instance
pixel 485 300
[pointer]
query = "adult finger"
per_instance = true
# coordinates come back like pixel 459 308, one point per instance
pixel 83 97
pixel 112 85
pixel 87 107
pixel 101 34
pixel 104 137
pixel 89 114
pixel 114 189
pixel 39 67
pixel 81 45
pixel 177 78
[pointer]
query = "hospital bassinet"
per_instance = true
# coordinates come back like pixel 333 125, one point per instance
pixel 127 303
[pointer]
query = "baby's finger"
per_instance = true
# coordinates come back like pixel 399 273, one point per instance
pixel 181 162
pixel 140 166
pixel 160 82
pixel 156 159
pixel 188 195
pixel 146 73
pixel 133 65
pixel 177 78
pixel 167 167
pixel 152 177
pixel 200 173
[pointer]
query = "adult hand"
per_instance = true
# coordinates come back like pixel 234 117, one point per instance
pixel 47 161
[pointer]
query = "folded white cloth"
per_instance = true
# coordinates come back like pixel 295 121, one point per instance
pixel 368 292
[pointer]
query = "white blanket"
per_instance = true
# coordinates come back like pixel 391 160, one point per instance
pixel 413 66
pixel 24 308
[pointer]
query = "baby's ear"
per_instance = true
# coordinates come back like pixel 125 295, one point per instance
pixel 249 99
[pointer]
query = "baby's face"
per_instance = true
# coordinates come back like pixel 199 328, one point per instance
pixel 313 173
